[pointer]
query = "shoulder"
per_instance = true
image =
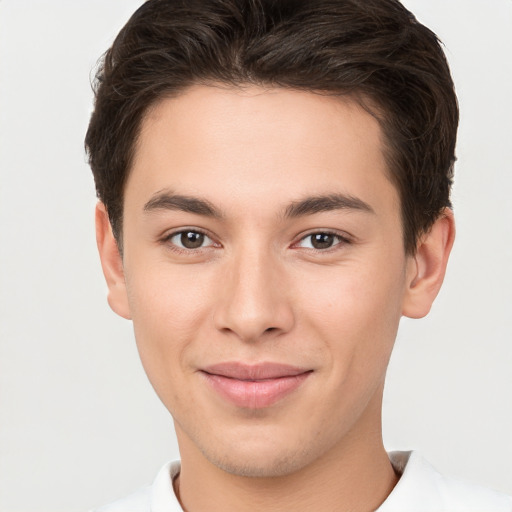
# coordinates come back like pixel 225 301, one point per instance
pixel 423 489
pixel 158 496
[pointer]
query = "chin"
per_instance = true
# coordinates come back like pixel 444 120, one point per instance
pixel 275 465
pixel 261 458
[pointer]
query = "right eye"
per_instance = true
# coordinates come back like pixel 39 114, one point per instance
pixel 190 240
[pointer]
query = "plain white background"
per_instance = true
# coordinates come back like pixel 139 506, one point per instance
pixel 79 423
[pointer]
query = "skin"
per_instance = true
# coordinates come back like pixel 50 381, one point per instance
pixel 257 290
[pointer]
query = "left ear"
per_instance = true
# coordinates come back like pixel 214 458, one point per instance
pixel 426 269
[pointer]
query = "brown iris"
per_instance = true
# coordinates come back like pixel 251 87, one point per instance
pixel 192 239
pixel 322 240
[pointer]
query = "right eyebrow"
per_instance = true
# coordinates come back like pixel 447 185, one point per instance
pixel 166 200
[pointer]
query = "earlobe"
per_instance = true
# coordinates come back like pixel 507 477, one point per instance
pixel 426 269
pixel 111 263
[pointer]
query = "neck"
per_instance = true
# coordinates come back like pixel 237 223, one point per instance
pixel 354 475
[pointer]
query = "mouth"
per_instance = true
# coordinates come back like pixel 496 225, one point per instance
pixel 254 386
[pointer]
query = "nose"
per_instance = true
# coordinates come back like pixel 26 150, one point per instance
pixel 254 301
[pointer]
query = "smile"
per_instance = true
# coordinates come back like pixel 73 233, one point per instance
pixel 254 386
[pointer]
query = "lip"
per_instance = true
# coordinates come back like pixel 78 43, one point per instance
pixel 254 386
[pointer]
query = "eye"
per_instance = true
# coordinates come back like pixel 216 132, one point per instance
pixel 321 241
pixel 190 240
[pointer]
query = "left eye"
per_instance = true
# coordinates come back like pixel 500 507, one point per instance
pixel 190 240
pixel 320 241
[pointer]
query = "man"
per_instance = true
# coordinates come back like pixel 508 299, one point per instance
pixel 274 184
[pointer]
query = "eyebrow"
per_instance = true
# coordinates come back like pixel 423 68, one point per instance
pixel 308 206
pixel 168 201
pixel 325 203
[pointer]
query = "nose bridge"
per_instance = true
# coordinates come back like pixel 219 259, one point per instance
pixel 254 300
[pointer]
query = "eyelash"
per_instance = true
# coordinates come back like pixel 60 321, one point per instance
pixel 167 241
pixel 341 241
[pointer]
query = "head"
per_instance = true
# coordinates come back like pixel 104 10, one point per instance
pixel 274 180
pixel 373 52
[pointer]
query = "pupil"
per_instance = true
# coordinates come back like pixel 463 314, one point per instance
pixel 322 240
pixel 192 239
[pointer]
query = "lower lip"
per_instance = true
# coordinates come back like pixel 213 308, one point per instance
pixel 255 394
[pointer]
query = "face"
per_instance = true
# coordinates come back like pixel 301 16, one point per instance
pixel 265 272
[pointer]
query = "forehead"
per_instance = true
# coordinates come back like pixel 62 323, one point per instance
pixel 257 144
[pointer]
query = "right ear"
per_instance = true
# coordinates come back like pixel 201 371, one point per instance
pixel 111 263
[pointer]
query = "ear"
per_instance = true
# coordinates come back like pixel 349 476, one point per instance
pixel 111 263
pixel 426 269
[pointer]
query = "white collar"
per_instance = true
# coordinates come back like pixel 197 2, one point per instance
pixel 420 489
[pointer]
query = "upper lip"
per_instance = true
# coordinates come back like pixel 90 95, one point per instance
pixel 260 371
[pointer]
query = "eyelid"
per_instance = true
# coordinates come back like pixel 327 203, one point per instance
pixel 344 239
pixel 168 235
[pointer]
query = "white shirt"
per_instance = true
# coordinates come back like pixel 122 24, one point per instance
pixel 420 489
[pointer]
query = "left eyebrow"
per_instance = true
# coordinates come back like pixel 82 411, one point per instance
pixel 325 203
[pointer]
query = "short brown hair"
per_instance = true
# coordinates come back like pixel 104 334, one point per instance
pixel 375 51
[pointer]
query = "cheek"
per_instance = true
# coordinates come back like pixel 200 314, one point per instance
pixel 355 317
pixel 356 308
pixel 168 308
pixel 167 299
